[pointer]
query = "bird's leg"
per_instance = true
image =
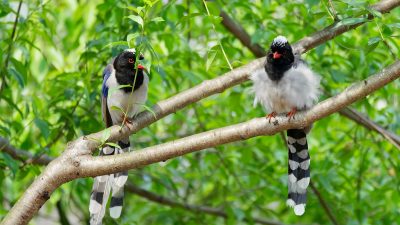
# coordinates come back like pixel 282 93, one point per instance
pixel 291 114
pixel 270 116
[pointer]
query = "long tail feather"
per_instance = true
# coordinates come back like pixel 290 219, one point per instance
pixel 298 170
pixel 117 197
pixel 100 193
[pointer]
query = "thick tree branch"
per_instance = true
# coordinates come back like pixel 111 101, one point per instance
pixel 77 161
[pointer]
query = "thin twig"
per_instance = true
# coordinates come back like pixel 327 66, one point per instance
pixel 324 204
pixel 332 7
pixel 219 41
pixel 62 214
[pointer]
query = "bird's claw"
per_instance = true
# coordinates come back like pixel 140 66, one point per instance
pixel 270 116
pixel 291 114
pixel 127 122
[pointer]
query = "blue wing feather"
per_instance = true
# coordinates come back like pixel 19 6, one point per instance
pixel 106 74
pixel 104 94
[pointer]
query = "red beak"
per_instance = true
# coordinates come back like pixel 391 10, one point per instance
pixel 276 55
pixel 140 67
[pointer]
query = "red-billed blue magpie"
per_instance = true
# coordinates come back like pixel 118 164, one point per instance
pixel 286 84
pixel 125 84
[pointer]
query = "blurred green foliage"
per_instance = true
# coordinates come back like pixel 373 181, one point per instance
pixel 53 69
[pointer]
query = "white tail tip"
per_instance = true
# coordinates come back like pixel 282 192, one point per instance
pixel 299 209
pixel 115 212
pixel 290 203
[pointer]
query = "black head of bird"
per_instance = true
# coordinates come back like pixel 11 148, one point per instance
pixel 126 61
pixel 127 71
pixel 280 52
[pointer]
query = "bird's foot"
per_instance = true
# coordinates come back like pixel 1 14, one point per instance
pixel 126 121
pixel 291 114
pixel 270 116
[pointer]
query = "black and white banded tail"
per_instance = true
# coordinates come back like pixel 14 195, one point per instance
pixel 105 184
pixel 298 170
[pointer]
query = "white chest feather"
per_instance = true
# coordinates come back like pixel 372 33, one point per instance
pixel 131 102
pixel 298 88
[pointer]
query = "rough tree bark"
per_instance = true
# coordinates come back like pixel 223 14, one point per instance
pixel 77 160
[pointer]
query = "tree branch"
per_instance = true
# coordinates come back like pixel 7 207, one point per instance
pixel 370 125
pixel 76 161
pixel 21 154
pixel 324 204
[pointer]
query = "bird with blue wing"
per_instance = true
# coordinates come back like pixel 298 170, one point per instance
pixel 124 92
pixel 284 85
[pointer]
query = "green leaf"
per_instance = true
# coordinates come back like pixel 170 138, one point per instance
pixel 374 12
pixel 11 103
pixel 114 89
pixel 371 47
pixel 17 76
pixel 116 43
pixel 150 110
pixel 113 145
pixel 338 76
pixel 150 2
pixel 394 25
pixel 20 67
pixel 137 10
pixel 350 21
pixel 106 135
pixel 157 19
pixel 215 19
pixel 210 58
pixel 4 9
pixel 312 2
pixel 43 127
pixel 147 64
pixel 117 108
pixel 11 163
pixel 4 131
pixel 374 40
pixel 131 37
pixel 386 30
pixel 136 19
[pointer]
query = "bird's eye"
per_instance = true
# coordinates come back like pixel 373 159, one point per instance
pixel 131 60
